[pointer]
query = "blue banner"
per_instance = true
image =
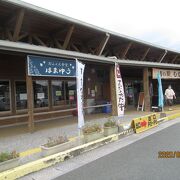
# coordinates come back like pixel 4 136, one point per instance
pixel 47 66
pixel 160 91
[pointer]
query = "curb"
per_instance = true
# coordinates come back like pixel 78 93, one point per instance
pixel 170 117
pixel 40 164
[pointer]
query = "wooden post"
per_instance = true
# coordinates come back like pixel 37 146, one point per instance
pixel 39 40
pixel 102 45
pixel 58 45
pixel 126 50
pixel 68 37
pixel 174 59
pixel 146 89
pixel 13 101
pixel 113 91
pixel 30 101
pixel 23 36
pixel 30 41
pixel 163 56
pixel 18 24
pixel 50 94
pixel 145 54
pixel 75 47
pixel 9 34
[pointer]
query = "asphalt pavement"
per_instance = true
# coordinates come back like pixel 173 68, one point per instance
pixel 137 161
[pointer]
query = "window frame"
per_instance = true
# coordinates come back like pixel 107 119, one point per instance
pixel 63 89
pixel 20 110
pixel 10 99
pixel 37 109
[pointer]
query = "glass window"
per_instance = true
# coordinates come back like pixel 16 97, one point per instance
pixel 58 92
pixel 4 96
pixel 70 87
pixel 40 93
pixel 21 95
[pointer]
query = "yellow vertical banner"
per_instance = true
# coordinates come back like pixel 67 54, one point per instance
pixel 144 123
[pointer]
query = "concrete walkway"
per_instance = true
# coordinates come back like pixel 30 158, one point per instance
pixel 18 138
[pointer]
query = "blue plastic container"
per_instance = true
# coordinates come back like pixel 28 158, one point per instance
pixel 107 109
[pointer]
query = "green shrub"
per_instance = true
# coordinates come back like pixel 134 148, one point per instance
pixel 5 156
pixel 110 123
pixel 88 129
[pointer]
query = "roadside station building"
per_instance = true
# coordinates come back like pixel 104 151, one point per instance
pixel 30 32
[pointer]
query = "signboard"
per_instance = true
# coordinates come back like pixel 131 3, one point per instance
pixel 40 95
pixel 47 66
pixel 80 103
pixel 119 91
pixel 58 93
pixel 71 92
pixel 166 73
pixel 144 123
pixel 23 96
pixel 141 101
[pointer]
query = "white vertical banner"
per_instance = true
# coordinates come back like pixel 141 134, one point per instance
pixel 119 91
pixel 79 77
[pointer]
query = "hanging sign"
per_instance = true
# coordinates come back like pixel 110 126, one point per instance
pixel 79 77
pixel 47 66
pixel 144 123
pixel 119 91
pixel 166 73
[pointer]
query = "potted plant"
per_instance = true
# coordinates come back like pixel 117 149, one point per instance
pixel 92 132
pixel 57 144
pixel 8 160
pixel 110 127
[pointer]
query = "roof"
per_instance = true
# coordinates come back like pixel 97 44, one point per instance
pixel 23 22
pixel 40 50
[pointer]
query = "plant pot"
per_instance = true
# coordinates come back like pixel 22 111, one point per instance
pixel 110 130
pixel 12 163
pixel 92 136
pixel 46 151
pixel 121 129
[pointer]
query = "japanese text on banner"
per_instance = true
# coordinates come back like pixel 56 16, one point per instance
pixel 119 91
pixel 79 77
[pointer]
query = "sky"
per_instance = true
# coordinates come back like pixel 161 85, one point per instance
pixel 154 21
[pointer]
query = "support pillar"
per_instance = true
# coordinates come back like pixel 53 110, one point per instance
pixel 30 101
pixel 147 103
pixel 113 91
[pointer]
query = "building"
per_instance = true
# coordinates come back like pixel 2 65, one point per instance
pixel 30 31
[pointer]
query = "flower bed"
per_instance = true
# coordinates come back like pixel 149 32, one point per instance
pixel 110 127
pixel 56 145
pixel 92 133
pixel 8 160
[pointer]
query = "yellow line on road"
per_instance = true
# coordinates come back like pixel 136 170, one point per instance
pixel 30 152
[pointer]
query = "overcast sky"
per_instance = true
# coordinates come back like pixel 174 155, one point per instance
pixel 155 21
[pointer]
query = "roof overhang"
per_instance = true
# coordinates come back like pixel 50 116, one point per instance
pixel 81 23
pixel 45 51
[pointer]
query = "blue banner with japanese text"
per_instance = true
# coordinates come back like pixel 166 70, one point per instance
pixel 48 66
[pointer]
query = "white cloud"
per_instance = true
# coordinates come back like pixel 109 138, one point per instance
pixel 155 21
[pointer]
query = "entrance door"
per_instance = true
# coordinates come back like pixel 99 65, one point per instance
pixel 132 90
